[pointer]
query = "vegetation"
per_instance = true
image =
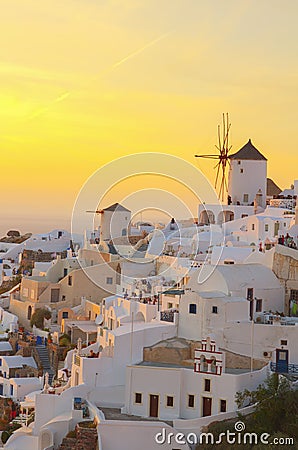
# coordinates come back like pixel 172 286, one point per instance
pixel 64 340
pixel 87 424
pixel 8 432
pixel 39 316
pixel 276 413
pixel 71 434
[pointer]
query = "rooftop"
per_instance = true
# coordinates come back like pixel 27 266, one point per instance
pixel 250 152
pixel 228 370
pixel 115 414
pixel 116 207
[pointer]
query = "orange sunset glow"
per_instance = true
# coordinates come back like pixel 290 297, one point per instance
pixel 86 81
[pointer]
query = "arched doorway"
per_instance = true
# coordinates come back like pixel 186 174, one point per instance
pixel 207 217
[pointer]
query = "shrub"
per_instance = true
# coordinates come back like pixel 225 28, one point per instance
pixel 64 340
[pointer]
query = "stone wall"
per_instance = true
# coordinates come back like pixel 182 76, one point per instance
pixel 85 439
pixel 56 354
pixel 29 257
pixel 181 352
pixel 235 361
pixel 176 351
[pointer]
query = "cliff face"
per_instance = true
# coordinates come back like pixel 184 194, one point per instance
pixel 285 267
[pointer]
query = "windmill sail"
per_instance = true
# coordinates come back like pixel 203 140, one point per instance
pixel 222 157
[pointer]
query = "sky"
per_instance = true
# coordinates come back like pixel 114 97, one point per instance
pixel 83 82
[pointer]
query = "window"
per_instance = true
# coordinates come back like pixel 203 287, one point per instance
pixel 207 387
pixel 253 226
pixel 250 294
pixel 239 162
pixel 101 331
pixel 214 309
pixel 294 294
pixel 283 342
pixel 65 315
pixel 192 308
pixel 170 401
pixel 259 305
pixel 32 294
pixel 63 298
pixel 25 292
pixel 170 305
pixel 283 355
pixel 266 227
pixel 223 405
pixel 241 170
pixel 138 397
pixel 11 390
pixel 109 280
pixel 69 281
pixel 191 401
pixel 245 198
pixel 244 215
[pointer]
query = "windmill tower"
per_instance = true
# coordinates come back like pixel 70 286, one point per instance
pixel 222 157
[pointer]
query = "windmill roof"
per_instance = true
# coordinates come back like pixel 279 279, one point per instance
pixel 248 151
pixel 116 207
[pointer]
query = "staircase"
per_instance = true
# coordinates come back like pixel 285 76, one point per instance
pixel 44 359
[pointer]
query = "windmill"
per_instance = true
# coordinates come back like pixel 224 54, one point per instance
pixel 98 211
pixel 222 157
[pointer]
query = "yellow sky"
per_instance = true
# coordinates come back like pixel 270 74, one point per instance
pixel 85 81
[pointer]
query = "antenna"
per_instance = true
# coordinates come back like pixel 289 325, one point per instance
pixel 222 158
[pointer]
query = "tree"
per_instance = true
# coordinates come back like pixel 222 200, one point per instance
pixel 276 405
pixel 275 413
pixel 38 317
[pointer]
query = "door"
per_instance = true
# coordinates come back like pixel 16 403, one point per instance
pixel 282 360
pixel 250 298
pixel 276 228
pixel 207 406
pixel 1 389
pixel 54 295
pixel 154 401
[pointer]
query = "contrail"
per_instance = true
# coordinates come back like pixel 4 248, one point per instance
pixel 137 52
pixel 66 94
pixel 45 108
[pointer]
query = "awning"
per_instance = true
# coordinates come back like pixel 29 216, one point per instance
pixel 87 328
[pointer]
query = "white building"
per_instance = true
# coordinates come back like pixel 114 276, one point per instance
pixel 115 220
pixel 247 176
pixel 171 391
pixel 18 388
pixel 266 226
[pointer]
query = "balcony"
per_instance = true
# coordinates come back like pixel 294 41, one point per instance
pixel 291 369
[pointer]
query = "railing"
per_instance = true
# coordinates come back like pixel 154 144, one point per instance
pixel 77 360
pixel 291 369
